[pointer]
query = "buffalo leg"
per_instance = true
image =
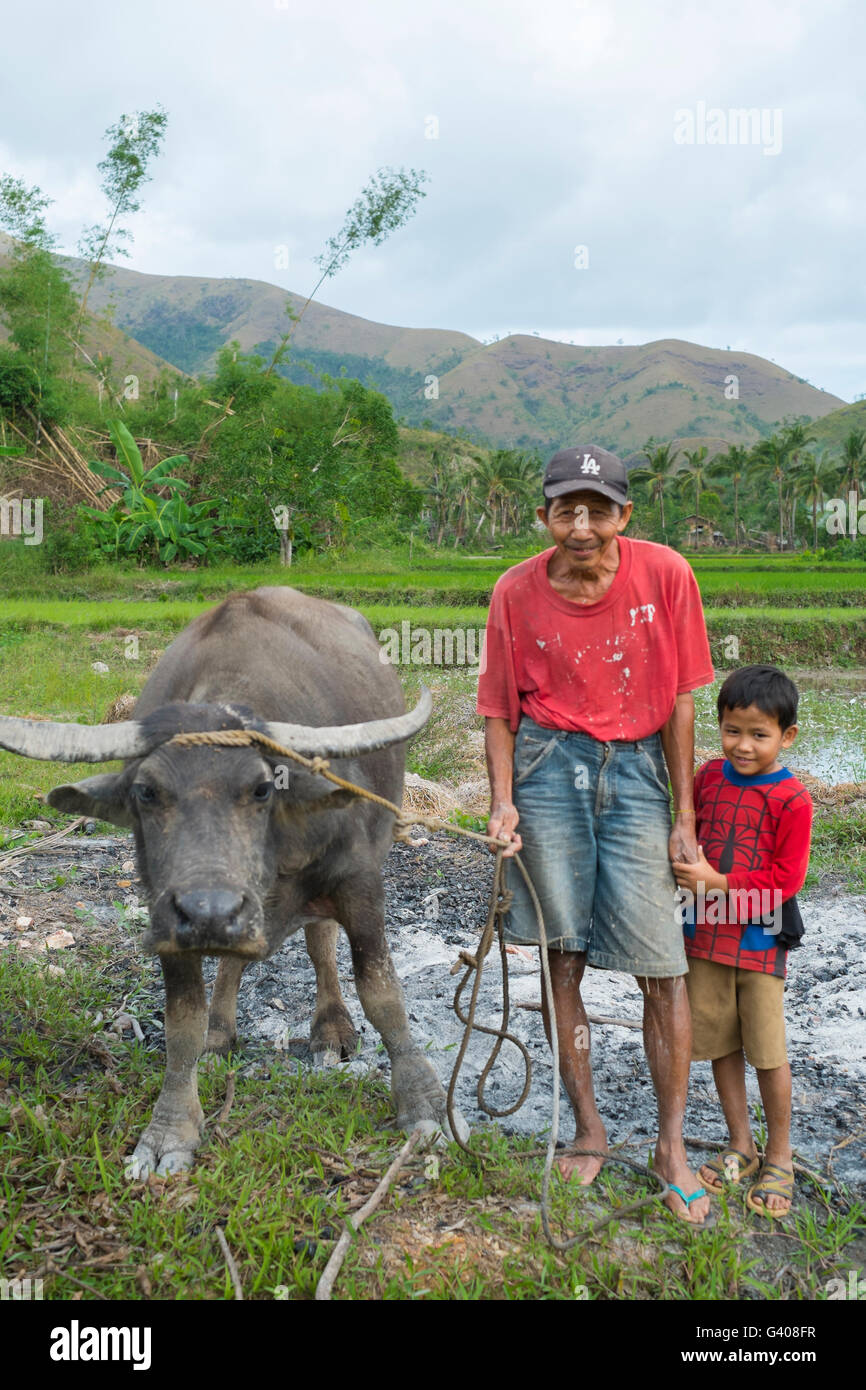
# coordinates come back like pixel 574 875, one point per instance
pixel 332 1029
pixel 418 1096
pixel 171 1138
pixel 222 1028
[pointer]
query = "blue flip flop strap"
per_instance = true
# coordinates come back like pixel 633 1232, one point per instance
pixel 700 1192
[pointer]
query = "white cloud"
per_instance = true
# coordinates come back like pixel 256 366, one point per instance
pixel 555 128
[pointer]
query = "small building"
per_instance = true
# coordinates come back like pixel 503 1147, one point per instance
pixel 700 531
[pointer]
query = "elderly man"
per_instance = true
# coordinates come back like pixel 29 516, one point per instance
pixel 593 649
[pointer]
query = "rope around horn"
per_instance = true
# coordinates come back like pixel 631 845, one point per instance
pixel 500 901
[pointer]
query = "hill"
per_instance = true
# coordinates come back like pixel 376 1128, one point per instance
pixel 522 391
pixel 832 429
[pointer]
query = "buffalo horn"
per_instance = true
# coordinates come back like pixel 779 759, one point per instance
pixel 72 743
pixel 351 740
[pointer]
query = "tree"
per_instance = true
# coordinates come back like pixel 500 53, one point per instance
pixel 136 140
pixel 658 475
pixel 768 459
pixel 731 467
pixel 813 474
pixel 853 458
pixel 387 202
pixel 694 474
pixel 796 436
pixel 503 484
pixel 37 304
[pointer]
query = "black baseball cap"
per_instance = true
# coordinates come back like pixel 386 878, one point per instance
pixel 586 468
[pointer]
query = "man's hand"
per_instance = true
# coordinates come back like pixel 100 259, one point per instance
pixel 683 845
pixel 678 742
pixel 502 825
pixel 690 875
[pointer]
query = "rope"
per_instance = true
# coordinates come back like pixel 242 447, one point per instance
pixel 500 902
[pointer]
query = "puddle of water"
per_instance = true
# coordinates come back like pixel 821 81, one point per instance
pixel 831 743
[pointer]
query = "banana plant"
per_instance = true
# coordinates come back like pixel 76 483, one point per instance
pixel 137 481
pixel 142 521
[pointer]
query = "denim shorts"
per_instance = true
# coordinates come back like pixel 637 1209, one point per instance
pixel 595 822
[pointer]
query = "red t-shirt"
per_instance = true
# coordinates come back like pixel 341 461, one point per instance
pixel 756 831
pixel 612 669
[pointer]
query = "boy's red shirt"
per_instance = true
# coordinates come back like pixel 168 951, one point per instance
pixel 756 831
pixel 612 669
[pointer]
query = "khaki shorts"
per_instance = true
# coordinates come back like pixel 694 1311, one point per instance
pixel 736 1009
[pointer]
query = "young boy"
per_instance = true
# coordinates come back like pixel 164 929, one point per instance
pixel 754 823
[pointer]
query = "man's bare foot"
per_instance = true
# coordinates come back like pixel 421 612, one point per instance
pixel 585 1167
pixel 673 1167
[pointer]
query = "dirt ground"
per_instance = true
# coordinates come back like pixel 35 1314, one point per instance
pixel 437 896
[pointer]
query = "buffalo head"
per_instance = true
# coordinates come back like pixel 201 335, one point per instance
pixel 221 833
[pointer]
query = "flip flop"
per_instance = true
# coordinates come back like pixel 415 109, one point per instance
pixel 772 1181
pixel 698 1192
pixel 743 1165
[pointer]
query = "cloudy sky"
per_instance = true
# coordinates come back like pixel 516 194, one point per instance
pixel 557 124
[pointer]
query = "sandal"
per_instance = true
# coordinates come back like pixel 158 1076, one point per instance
pixel 772 1181
pixel 732 1166
pixel 709 1219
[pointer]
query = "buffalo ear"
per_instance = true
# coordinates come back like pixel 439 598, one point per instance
pixel 101 797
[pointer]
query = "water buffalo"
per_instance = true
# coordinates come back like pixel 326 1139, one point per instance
pixel 237 849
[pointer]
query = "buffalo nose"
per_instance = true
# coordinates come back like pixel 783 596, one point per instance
pixel 209 907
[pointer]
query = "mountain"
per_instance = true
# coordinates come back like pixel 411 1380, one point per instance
pixel 832 429
pixel 522 391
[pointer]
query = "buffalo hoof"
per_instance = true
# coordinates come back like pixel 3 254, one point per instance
pixel 162 1150
pixel 436 1133
pixel 421 1102
pixel 332 1031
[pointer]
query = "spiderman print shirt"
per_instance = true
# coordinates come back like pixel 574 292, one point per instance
pixel 756 831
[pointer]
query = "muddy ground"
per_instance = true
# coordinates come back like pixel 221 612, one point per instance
pixel 437 896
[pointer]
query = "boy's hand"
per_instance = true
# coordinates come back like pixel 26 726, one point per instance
pixel 691 875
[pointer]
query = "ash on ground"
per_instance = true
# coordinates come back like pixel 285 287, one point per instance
pixel 437 897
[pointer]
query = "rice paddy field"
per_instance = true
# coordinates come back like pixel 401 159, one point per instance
pixel 807 615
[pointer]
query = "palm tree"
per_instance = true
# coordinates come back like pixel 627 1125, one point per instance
pixel 526 490
pixel 462 498
pixel 812 476
pixel 694 474
pixel 658 474
pixel 504 482
pixel 853 458
pixel 796 436
pixel 768 459
pixel 731 467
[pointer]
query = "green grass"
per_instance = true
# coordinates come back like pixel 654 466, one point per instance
pixel 793 587
pixel 280 1173
pixel 443 577
pixel 839 848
